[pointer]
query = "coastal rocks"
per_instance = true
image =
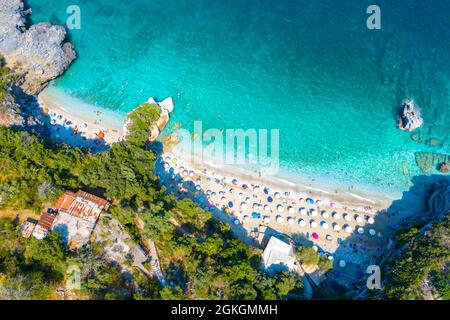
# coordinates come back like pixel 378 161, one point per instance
pixel 166 108
pixel 429 162
pixel 146 122
pixel 37 54
pixel 444 168
pixel 410 117
pixel 10 113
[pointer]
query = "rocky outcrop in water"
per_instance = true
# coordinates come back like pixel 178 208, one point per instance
pixel 429 162
pixel 410 117
pixel 37 54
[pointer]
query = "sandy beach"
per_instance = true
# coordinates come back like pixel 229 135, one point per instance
pixel 91 124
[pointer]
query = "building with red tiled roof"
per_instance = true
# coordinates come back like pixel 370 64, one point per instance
pixel 82 205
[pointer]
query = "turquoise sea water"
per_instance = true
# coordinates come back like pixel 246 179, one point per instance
pixel 308 67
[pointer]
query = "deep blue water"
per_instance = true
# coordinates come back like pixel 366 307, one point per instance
pixel 308 67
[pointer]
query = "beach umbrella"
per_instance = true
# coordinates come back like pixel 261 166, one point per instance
pixel 280 219
pixel 280 208
pixel 358 219
pixel 236 221
pixel 244 186
pixel 191 173
pixel 371 220
pixel 324 225
pixel 266 220
pixel 256 189
pixel 223 200
pixel 336 227
pixel 302 223
pixel 328 237
pixel 234 181
pixel 348 229
pixel 266 208
pixel 185 173
pixel 208 192
pixel 315 236
pixel 266 190
pixel 347 217
pixel 277 195
pixel 342 264
pixel 313 224
pixel 166 166
pixel 260 207
pixel 303 212
pixel 325 215
pixel 331 258
pixel 301 200
pixel 208 179
pixel 309 200
pixel 315 248
pixel 287 194
pixel 245 218
pixel 198 180
pixel 167 159
pixel 360 230
pixel 336 216
pixel 291 210
pixel 198 188
pixel 230 204
pixel 319 203
pixel 372 232
pixel 269 199
pixel 256 215
pixel 201 200
pixel 314 213
pixel 291 220
pixel 243 205
pixel 248 200
pixel 255 206
pixel 213 194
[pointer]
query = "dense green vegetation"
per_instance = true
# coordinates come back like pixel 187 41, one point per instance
pixel 199 256
pixel 5 77
pixel 425 257
pixel 140 118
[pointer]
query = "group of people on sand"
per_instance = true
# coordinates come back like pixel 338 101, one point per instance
pixel 251 204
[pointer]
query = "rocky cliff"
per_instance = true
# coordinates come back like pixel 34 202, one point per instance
pixel 37 54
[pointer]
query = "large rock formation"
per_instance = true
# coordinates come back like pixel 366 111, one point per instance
pixel 439 202
pixel 410 117
pixel 37 54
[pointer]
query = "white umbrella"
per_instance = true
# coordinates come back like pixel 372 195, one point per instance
pixel 280 219
pixel 191 174
pixel 347 217
pixel 301 200
pixel 291 220
pixel 303 212
pixel 348 229
pixel 260 207
pixel 277 195
pixel 336 216
pixel 243 205
pixel 255 206
pixel 324 225
pixel 266 220
pixel 248 200
pixel 342 264
pixel 245 218
pixel 372 232
pixel 370 220
pixel 236 221
pixel 280 208
pixel 325 215
pixel 313 224
pixel 336 227
pixel 328 237
pixel 360 230
pixel 315 248
pixel 223 200
pixel 314 213
pixel 291 210
pixel 256 189
pixel 266 208
pixel 302 223
pixel 319 203
pixel 359 219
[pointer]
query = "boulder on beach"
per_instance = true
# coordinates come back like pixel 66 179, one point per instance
pixel 410 116
pixel 444 168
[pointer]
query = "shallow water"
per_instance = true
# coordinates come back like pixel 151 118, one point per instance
pixel 309 68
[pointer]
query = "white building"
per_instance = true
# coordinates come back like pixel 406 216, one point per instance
pixel 278 255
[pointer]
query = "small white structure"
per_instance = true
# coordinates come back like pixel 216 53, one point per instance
pixel 278 255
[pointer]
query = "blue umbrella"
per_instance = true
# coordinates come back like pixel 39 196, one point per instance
pixel 270 199
pixel 230 204
pixel 310 201
pixel 266 190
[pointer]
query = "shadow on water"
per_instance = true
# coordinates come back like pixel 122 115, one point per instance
pixel 411 210
pixel 39 123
